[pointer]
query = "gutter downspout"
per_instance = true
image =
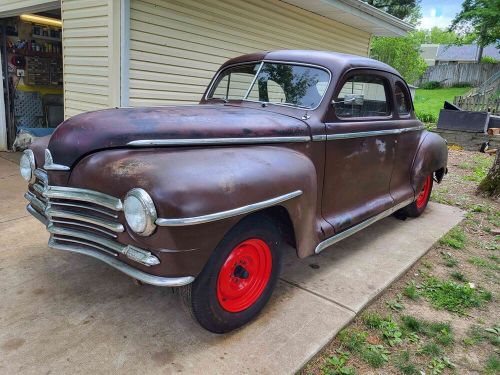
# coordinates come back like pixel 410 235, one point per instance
pixel 124 52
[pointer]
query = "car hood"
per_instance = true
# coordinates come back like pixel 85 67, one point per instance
pixel 112 128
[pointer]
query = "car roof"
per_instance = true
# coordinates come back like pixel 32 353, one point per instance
pixel 336 62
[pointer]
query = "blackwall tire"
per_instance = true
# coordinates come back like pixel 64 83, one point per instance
pixel 239 278
pixel 417 207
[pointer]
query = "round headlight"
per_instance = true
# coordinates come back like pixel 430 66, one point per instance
pixel 140 212
pixel 27 165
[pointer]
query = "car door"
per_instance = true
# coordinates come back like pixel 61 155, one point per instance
pixel 360 149
pixel 407 145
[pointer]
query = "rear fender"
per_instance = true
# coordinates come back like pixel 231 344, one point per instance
pixel 431 156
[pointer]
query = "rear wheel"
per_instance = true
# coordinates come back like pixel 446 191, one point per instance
pixel 239 278
pixel 417 207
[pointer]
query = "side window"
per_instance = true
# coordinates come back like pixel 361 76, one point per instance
pixel 363 96
pixel 402 100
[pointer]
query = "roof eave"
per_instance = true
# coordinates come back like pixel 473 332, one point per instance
pixel 358 14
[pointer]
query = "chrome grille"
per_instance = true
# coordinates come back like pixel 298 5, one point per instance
pixel 77 217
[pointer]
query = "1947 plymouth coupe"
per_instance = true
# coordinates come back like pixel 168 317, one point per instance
pixel 286 147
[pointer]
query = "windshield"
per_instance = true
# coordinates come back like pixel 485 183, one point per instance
pixel 276 83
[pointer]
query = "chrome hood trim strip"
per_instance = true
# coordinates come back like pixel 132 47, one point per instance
pixel 227 214
pixel 217 141
pixel 123 267
pixel 349 232
pixel 50 165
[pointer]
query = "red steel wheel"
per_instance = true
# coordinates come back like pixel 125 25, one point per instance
pixel 423 196
pixel 244 275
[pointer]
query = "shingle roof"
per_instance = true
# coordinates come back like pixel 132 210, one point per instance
pixel 467 52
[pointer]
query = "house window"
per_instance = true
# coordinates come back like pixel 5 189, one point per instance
pixel 402 101
pixel 363 96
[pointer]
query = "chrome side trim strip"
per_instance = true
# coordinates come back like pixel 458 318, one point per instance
pixel 125 268
pixel 50 165
pixel 85 195
pixel 217 141
pixel 349 232
pixel 115 227
pixel 139 255
pixel 227 214
pixel 37 214
pixel 319 137
pixel 374 133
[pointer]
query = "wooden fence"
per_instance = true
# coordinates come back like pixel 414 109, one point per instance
pixel 453 74
pixel 484 98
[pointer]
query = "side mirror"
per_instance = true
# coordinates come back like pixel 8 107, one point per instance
pixel 355 99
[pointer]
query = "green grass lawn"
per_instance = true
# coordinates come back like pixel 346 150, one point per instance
pixel 429 102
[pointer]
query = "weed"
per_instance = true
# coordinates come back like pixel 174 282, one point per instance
pixel 403 364
pixel 458 276
pixel 481 262
pixel 464 165
pixel 494 258
pixel 493 335
pixel 449 261
pixel 439 197
pixel 452 296
pixel 372 320
pixel 438 364
pixel 426 264
pixel 492 365
pixel 441 332
pixel 475 335
pixel 391 332
pixel 431 349
pixel 411 291
pixel 353 340
pixel 395 304
pixel 479 208
pixel 336 365
pixel 375 355
pixel 455 238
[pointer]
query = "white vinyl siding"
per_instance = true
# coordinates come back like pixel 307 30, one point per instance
pixel 90 55
pixel 176 46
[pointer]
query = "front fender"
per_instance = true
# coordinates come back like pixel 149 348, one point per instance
pixel 431 156
pixel 195 182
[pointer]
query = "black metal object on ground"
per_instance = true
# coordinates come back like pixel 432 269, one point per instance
pixel 466 121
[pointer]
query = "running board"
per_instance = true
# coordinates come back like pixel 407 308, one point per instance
pixel 349 232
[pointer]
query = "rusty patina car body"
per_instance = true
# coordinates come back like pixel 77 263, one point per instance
pixel 317 175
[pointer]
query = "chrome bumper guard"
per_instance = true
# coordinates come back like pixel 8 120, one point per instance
pixel 55 207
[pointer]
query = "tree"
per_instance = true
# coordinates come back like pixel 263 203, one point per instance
pixel 408 10
pixel 402 53
pixel 490 185
pixel 479 19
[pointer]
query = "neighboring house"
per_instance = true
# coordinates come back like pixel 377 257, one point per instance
pixel 429 53
pixel 441 54
pixel 157 52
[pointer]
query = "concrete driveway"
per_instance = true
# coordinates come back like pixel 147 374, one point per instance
pixel 65 313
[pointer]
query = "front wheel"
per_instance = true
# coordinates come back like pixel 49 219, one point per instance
pixel 239 278
pixel 417 207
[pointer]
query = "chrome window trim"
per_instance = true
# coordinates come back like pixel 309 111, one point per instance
pixel 51 212
pixel 85 195
pixel 50 165
pixel 123 267
pixel 373 133
pixel 226 214
pixel 212 83
pixel 217 141
pixel 349 232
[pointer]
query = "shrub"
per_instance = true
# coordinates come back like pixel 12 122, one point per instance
pixel 426 116
pixel 462 84
pixel 431 85
pixel 489 60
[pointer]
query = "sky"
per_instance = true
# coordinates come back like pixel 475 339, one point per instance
pixel 438 13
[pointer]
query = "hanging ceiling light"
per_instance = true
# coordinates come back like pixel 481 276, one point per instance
pixel 41 20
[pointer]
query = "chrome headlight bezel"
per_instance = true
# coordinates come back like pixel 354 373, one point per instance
pixel 30 156
pixel 148 211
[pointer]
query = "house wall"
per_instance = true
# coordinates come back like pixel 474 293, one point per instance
pixel 91 55
pixel 176 46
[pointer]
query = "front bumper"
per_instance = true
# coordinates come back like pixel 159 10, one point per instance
pixel 86 222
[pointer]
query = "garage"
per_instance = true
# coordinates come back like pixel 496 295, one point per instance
pixel 160 52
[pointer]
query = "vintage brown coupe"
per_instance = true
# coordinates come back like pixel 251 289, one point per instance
pixel 287 147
